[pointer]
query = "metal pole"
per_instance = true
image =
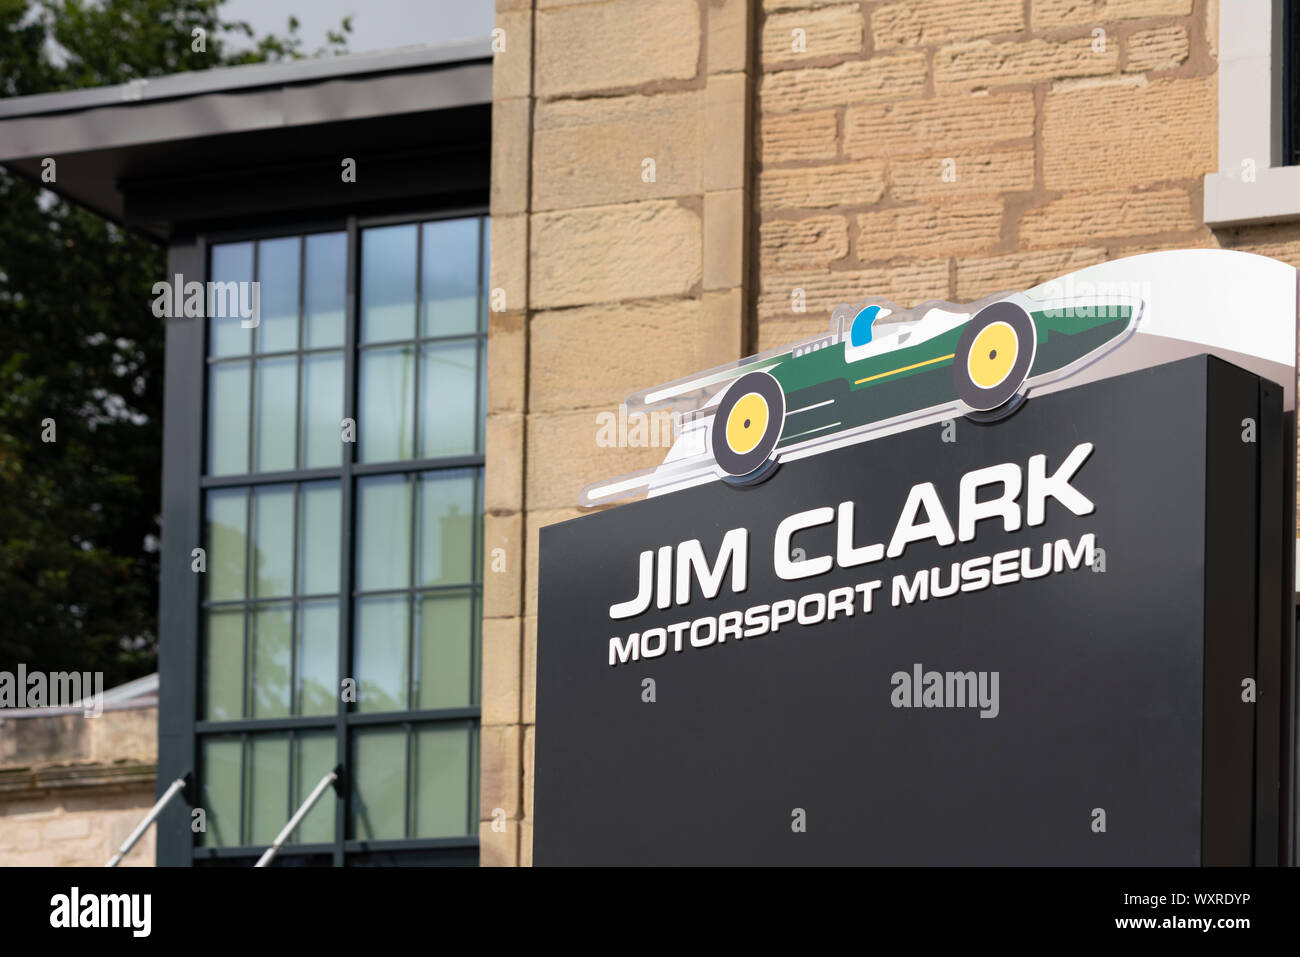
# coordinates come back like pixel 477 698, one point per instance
pixel 176 787
pixel 298 815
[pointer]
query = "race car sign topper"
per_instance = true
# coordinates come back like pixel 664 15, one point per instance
pixel 881 369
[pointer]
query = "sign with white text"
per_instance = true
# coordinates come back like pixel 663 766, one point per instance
pixel 1027 641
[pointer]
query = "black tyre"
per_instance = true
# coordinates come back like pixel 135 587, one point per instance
pixel 994 355
pixel 748 423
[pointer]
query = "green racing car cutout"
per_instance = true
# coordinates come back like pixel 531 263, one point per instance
pixel 866 375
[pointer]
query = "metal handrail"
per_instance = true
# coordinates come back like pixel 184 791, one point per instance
pixel 294 821
pixel 176 787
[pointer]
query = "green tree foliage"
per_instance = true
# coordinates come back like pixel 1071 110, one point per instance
pixel 80 348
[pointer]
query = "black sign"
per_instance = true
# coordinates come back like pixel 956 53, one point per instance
pixel 1030 642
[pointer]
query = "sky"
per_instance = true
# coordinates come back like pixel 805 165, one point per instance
pixel 376 24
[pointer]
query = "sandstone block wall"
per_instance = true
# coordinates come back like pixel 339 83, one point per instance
pixel 73 788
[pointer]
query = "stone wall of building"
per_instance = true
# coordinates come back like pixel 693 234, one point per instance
pixel 620 233
pixel 1070 132
pixel 805 153
pixel 73 788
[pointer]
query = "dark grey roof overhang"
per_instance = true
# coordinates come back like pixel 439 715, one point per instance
pixel 234 142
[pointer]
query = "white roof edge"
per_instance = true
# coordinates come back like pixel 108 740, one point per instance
pixel 122 698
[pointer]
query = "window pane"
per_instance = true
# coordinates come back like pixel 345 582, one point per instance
pixel 441 774
pixel 384 533
pixel 447 520
pixel 388 284
pixel 318 547
pixel 227 543
pixel 277 413
pixel 223 668
pixel 271 644
pixel 450 279
pixel 268 770
pixel 221 781
pixel 228 418
pixel 476 679
pixel 272 541
pixel 485 274
pixel 381 653
pixel 322 410
pixel 445 660
pixel 326 288
pixel 387 414
pixel 314 757
pixel 448 381
pixel 231 262
pixel 318 656
pixel 277 277
pixel 378 795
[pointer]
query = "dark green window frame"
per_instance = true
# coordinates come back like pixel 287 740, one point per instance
pixel 346 848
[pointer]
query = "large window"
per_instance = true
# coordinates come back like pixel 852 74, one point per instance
pixel 342 527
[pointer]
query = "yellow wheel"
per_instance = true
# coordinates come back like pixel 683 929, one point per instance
pixel 994 355
pixel 748 423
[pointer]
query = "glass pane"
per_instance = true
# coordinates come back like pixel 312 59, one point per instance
pixel 271 661
pixel 318 656
pixel 381 653
pixel 476 680
pixel 482 404
pixel 384 533
pixel 228 418
pixel 388 284
pixel 314 757
pixel 445 661
pixel 322 410
pixel 223 671
pixel 318 530
pixel 379 792
pixel 277 413
pixel 448 381
pixel 447 520
pixel 326 288
pixel 450 278
pixel 387 415
pixel 273 541
pixel 442 772
pixel 485 274
pixel 268 770
pixel 277 278
pixel 221 781
pixel 226 543
pixel 231 263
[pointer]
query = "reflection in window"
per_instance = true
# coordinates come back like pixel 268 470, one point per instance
pixel 450 277
pixel 252 784
pixel 268 651
pixel 428 408
pixel 288 365
pixel 388 284
pixel 416 635
pixel 410 781
pixel 387 416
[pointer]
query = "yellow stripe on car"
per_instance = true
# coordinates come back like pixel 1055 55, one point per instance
pixel 915 365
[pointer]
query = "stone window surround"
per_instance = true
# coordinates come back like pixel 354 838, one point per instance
pixel 1250 120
